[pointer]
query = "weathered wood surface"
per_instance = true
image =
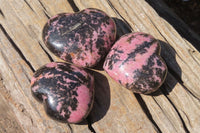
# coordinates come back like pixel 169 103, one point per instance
pixel 174 108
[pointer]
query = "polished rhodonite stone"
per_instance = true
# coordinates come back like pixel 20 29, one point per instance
pixel 134 61
pixel 81 38
pixel 65 90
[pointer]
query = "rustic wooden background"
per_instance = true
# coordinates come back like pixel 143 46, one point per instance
pixel 173 108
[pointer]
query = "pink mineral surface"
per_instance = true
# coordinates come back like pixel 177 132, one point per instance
pixel 66 91
pixel 81 38
pixel 135 62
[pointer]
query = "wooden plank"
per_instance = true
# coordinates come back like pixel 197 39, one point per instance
pixel 22 51
pixel 16 76
pixel 8 121
pixel 174 108
pixel 175 49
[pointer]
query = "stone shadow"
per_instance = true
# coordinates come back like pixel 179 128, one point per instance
pixel 101 100
pixel 122 29
pixel 102 88
pixel 174 73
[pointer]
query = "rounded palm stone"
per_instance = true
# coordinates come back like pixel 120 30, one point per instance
pixel 81 38
pixel 66 91
pixel 135 62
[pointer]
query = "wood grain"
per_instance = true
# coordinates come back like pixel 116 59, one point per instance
pixel 173 108
pixel 8 121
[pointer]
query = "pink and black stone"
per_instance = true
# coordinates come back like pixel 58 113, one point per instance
pixel 66 91
pixel 82 38
pixel 135 62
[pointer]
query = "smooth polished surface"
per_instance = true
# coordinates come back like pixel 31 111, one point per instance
pixel 66 91
pixel 175 106
pixel 134 61
pixel 81 38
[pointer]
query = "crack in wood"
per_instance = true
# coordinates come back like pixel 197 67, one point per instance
pixel 9 115
pixel 29 5
pixel 7 96
pixel 192 54
pixel 14 75
pixel 70 128
pixel 44 9
pixel 156 27
pixel 25 73
pixel 90 125
pixel 147 112
pixel 2 14
pixel 42 5
pixel 73 5
pixel 45 13
pixel 1 80
pixel 192 94
pixel 5 93
pixel 22 109
pixel 9 124
pixel 16 47
pixel 182 121
pixel 188 65
pixel 164 113
pixel 177 77
pixel 49 56
pixel 117 12
pixel 189 122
